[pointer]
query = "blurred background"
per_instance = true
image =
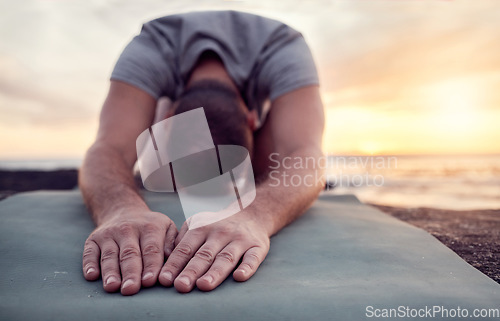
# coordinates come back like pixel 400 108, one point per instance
pixel 411 89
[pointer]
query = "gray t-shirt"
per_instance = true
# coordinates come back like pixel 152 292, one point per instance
pixel 264 57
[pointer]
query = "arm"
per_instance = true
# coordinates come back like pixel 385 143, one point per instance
pixel 206 256
pixel 130 240
pixel 290 146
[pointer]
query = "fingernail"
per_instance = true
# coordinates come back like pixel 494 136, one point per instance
pixel 127 283
pixel 243 271
pixel 111 279
pixel 208 278
pixel 184 280
pixel 90 270
pixel 168 276
pixel 168 252
pixel 147 276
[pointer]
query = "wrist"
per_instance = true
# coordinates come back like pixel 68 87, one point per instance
pixel 119 210
pixel 262 219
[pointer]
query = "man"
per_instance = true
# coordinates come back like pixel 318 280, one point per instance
pixel 257 82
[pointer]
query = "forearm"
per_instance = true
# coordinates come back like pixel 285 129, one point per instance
pixel 107 183
pixel 285 192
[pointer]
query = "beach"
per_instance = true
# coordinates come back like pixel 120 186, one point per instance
pixel 473 234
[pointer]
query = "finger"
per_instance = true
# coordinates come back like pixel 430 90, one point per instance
pixel 152 241
pixel 180 256
pixel 170 236
pixel 251 261
pixel 224 263
pixel 197 266
pixel 130 265
pixel 110 266
pixel 182 232
pixel 90 261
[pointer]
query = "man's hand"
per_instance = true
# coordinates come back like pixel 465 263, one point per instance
pixel 128 249
pixel 205 256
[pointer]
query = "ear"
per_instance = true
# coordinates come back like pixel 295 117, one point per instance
pixel 252 119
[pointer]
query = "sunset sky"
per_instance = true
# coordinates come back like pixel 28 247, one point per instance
pixel 397 76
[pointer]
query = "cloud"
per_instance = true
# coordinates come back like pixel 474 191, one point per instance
pixel 381 53
pixel 56 56
pixel 24 100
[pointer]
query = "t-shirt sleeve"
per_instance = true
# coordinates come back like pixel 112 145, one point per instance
pixel 289 68
pixel 145 64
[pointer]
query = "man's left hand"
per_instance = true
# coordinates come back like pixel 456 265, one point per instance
pixel 205 256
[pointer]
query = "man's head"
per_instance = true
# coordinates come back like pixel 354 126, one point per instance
pixel 228 118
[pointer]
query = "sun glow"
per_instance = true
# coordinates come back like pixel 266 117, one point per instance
pixel 456 115
pixel 457 104
pixel 384 92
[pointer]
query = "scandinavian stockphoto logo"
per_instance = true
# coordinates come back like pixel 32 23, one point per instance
pixel 179 155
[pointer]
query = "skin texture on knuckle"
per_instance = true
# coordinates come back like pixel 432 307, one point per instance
pixel 152 250
pixel 174 265
pixel 129 253
pixel 151 228
pixel 248 266
pixel 206 255
pixel 88 242
pixel 251 260
pixel 125 229
pixel 184 250
pixel 97 236
pixel 89 253
pixel 108 254
pixel 226 256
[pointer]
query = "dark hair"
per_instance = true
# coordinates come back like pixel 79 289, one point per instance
pixel 225 115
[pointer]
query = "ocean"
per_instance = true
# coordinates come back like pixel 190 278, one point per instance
pixel 40 164
pixel 447 182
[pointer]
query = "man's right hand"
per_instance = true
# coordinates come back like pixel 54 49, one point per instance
pixel 128 250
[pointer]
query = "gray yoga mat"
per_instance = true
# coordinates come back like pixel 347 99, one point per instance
pixel 338 259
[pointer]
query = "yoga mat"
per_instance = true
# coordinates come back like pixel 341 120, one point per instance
pixel 334 263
